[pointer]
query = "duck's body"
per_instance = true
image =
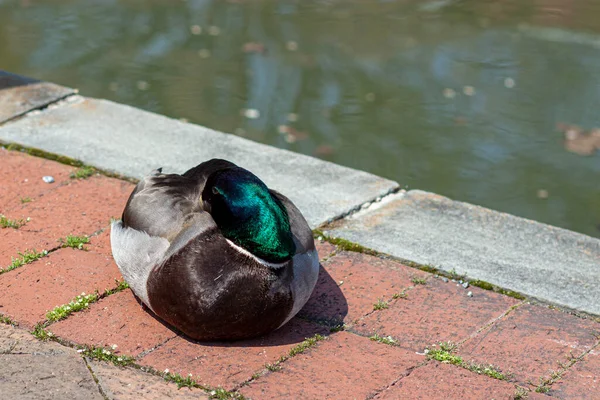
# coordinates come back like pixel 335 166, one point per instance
pixel 214 252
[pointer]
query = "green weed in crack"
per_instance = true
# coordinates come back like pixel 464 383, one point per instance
pixel 380 305
pixel 83 172
pixel 41 333
pixel 418 281
pixel 12 223
pixel 445 354
pixel 7 321
pixel 103 354
pixel 384 339
pixel 81 302
pixel 75 242
pixel 27 257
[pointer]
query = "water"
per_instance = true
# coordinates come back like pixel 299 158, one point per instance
pixel 461 98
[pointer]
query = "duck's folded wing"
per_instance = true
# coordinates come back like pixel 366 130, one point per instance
pixel 160 204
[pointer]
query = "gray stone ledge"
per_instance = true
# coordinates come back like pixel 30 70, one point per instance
pixel 542 261
pixel 133 142
pixel 19 95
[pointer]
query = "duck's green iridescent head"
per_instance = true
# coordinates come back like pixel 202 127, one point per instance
pixel 249 215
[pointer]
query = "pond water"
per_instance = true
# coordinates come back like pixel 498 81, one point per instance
pixel 468 99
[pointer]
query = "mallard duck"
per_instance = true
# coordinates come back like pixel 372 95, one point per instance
pixel 214 252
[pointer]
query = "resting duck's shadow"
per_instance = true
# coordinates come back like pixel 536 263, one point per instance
pixel 324 311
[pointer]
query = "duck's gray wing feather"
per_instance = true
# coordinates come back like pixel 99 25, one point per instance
pixel 161 203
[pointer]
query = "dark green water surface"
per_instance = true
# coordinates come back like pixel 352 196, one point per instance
pixel 461 98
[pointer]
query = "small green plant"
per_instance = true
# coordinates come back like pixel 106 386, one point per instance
pixel 401 295
pixel 121 285
pixel 337 328
pixel 79 303
pixel 27 257
pixel 102 354
pixel 343 244
pixel 6 320
pixel 306 344
pixel 273 367
pixel 418 281
pixel 255 376
pixel 380 305
pixel 181 381
pixel 384 339
pixel 542 388
pixel 75 242
pixel 83 172
pixel 25 200
pixel 521 393
pixel 445 355
pixel 222 394
pixel 12 223
pixel 489 370
pixel 41 333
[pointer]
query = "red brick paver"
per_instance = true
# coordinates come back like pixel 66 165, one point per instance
pixel 78 207
pixel 351 283
pixel 582 380
pixel 27 293
pixel 531 342
pixel 229 364
pixel 436 312
pixel 21 177
pixel 443 381
pixel 118 319
pixel 345 366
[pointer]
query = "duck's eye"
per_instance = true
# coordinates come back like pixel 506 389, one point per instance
pixel 215 190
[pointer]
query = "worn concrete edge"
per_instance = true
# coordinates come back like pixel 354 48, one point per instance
pixel 68 156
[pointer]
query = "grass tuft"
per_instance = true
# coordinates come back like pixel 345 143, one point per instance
pixel 380 305
pixel 384 339
pixel 400 295
pixel 25 200
pixel 418 281
pixel 6 320
pixel 12 223
pixel 223 394
pixel 79 303
pixel 102 354
pixel 181 381
pixel 344 244
pixel 121 285
pixel 306 344
pixel 83 172
pixel 445 355
pixel 27 257
pixel 41 333
pixel 521 393
pixel 273 367
pixel 75 242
